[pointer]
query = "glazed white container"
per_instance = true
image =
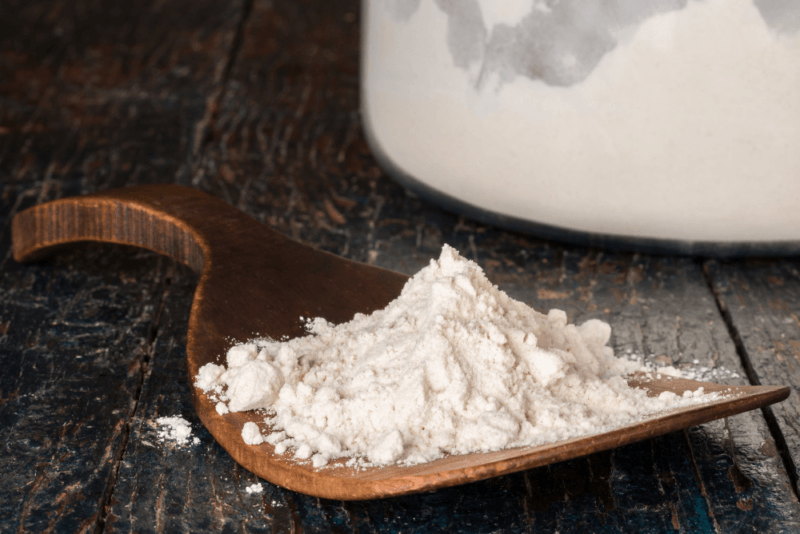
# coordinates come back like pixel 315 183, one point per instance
pixel 669 124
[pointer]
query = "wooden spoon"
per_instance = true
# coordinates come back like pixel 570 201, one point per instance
pixel 256 281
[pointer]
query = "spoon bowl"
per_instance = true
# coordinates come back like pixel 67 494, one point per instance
pixel 254 282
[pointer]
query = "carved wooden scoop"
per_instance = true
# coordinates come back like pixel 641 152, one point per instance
pixel 255 281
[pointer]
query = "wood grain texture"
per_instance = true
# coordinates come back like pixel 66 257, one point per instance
pixel 98 95
pixel 92 94
pixel 762 302
pixel 72 354
pixel 285 144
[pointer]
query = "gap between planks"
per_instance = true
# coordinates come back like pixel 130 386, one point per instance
pixel 144 372
pixel 202 139
pixel 205 126
pixel 772 423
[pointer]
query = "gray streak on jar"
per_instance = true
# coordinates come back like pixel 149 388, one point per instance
pixel 466 32
pixel 402 9
pixel 563 43
pixel 782 16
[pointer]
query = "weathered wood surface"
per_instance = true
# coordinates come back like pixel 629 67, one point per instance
pixel 762 300
pixel 258 105
pixel 92 95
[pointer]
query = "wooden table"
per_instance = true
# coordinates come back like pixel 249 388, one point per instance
pixel 256 101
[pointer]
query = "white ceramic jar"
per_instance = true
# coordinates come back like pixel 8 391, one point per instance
pixel 668 124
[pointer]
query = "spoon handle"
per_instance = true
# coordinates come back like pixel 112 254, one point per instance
pixel 180 222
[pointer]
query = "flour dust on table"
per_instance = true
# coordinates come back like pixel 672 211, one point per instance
pixel 254 488
pixel 175 429
pixel 452 366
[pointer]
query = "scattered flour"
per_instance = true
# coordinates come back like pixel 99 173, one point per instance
pixel 175 429
pixel 693 371
pixel 453 365
pixel 254 488
pixel 708 374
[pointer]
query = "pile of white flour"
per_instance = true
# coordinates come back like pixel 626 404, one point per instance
pixel 453 365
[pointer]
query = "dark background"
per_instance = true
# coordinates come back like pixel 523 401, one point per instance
pixel 256 102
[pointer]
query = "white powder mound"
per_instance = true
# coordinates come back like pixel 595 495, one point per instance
pixel 251 434
pixel 175 429
pixel 453 365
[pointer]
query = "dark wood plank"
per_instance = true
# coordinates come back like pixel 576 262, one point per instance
pixel 95 94
pixel 762 301
pixel 286 146
pixel 72 353
pixel 98 95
